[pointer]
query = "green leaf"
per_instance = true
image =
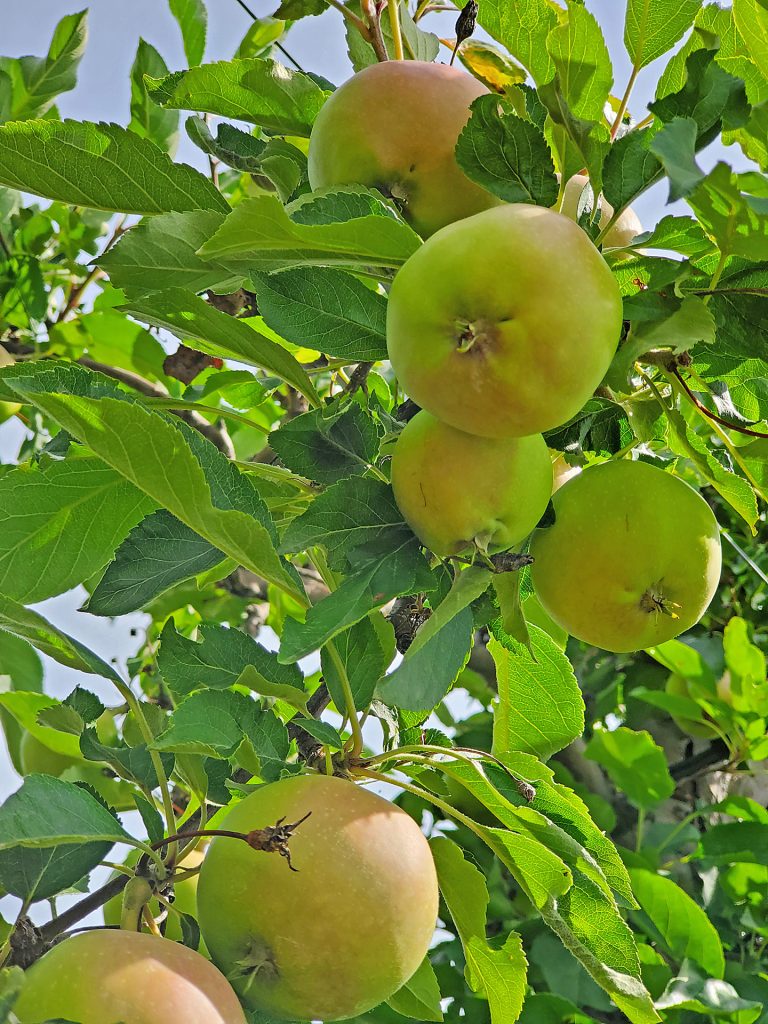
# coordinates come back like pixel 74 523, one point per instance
pixel 222 658
pixel 63 521
pixel 540 708
pixel 366 651
pixel 636 765
pixel 347 515
pixel 161 252
pixel 506 154
pixel 523 30
pixel 133 763
pixel 35 874
pixel 157 456
pixel 324 309
pixel 677 324
pixel 566 810
pixel 420 995
pixel 601 427
pixel 260 91
pixel 28 625
pixel 580 142
pixel 220 724
pixel 751 20
pixel 323 732
pixel 736 491
pixel 157 554
pixel 681 234
pixel 735 220
pixel 233 146
pixel 323 445
pixel 684 927
pixel 149 121
pixel 35 82
pixel 714 999
pixel 423 678
pixel 583 64
pixel 384 570
pixel 500 974
pixel 463 887
pixel 675 146
pixel 279 161
pixel 190 317
pixel 50 812
pixel 569 889
pixel 654 26
pixel 192 18
pixel 100 165
pixel 468 585
pixel 736 842
pixel 261 235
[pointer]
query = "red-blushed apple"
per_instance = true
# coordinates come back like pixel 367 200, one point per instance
pixel 458 490
pixel 627 223
pixel 393 127
pixel 120 977
pixel 633 558
pixel 504 324
pixel 342 932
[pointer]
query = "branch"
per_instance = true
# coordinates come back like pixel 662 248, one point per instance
pixel 358 378
pixel 214 433
pixel 49 932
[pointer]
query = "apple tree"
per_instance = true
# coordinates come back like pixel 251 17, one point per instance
pixel 425 470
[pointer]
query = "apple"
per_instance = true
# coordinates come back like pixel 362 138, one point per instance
pixel 185 893
pixel 394 127
pixel 345 930
pixel 110 976
pixel 504 324
pixel 35 756
pixel 8 409
pixel 459 490
pixel 623 231
pixel 632 560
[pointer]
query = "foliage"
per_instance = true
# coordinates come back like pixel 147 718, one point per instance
pixel 196 364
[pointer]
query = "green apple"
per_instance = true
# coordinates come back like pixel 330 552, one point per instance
pixel 627 223
pixel 458 490
pixel 632 560
pixel 106 976
pixel 393 127
pixel 345 930
pixel 8 409
pixel 504 324
pixel 35 756
pixel 185 893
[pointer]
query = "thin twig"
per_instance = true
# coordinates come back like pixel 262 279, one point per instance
pixel 50 931
pixel 279 46
pixel 713 415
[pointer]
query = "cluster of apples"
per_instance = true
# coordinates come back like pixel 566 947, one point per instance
pixel 330 939
pixel 500 327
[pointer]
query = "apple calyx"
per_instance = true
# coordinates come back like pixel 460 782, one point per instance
pixel 275 838
pixel 468 333
pixel 653 600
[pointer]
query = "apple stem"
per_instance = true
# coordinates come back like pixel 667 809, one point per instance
pixel 272 839
pixel 394 21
